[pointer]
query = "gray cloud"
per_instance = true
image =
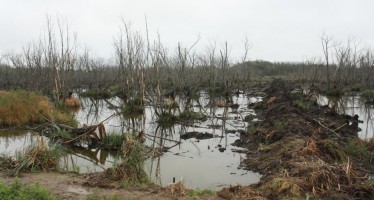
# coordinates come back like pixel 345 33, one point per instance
pixel 285 30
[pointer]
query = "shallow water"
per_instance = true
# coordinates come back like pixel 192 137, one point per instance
pixel 198 163
pixel 353 105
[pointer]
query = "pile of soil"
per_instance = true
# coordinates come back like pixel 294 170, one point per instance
pixel 304 151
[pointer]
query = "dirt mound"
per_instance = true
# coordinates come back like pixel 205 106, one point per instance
pixel 303 151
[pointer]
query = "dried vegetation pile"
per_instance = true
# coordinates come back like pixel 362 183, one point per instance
pixel 304 151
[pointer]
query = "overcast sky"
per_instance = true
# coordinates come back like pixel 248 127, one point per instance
pixel 279 30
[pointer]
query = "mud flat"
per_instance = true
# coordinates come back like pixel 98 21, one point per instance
pixel 304 151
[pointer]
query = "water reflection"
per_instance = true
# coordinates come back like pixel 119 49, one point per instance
pixel 353 105
pixel 201 163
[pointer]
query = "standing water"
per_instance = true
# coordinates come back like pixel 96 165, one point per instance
pixel 210 163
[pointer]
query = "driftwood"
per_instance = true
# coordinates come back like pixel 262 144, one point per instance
pixel 85 132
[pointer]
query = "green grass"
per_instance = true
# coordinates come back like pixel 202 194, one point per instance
pixel 133 106
pixel 200 194
pixel 359 149
pixel 335 150
pixel 166 119
pixel 282 124
pixel 96 196
pixel 18 191
pixel 368 95
pixel 130 169
pixel 191 115
pixel 113 141
pixel 55 135
pixel 88 93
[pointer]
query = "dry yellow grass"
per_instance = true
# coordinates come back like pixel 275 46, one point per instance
pixel 288 186
pixel 21 107
pixel 72 102
pixel 178 188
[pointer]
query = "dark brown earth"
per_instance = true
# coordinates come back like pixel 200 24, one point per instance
pixel 303 151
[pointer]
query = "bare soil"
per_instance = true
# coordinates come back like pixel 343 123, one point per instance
pixel 73 186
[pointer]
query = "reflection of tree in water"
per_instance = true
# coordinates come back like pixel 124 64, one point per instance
pixel 353 105
pixel 11 136
pixel 96 156
pixel 368 130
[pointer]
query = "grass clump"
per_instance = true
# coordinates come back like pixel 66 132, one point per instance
pixel 130 170
pixel 166 119
pixel 282 124
pixel 113 141
pixel 17 191
pixel 96 93
pixel 133 106
pixel 360 149
pixel 368 95
pixel 39 156
pixel 20 107
pixel 333 149
pixel 198 194
pixel 287 186
pixel 191 115
pixel 178 189
pixel 72 102
pixel 61 134
pixel 88 93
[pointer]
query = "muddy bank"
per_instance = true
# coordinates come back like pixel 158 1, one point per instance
pixel 304 151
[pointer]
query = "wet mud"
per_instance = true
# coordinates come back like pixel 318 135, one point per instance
pixel 303 151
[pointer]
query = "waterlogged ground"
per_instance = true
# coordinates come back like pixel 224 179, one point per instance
pixel 205 163
pixel 353 105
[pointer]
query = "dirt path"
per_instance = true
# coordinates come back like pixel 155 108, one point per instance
pixel 71 187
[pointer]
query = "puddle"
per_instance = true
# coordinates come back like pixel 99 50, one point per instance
pixel 205 163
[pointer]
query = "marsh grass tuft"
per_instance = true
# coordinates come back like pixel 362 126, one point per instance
pixel 130 170
pixel 39 156
pixel 288 186
pixel 166 119
pixel 191 115
pixel 361 149
pixel 133 106
pixel 113 141
pixel 20 107
pixel 368 95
